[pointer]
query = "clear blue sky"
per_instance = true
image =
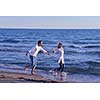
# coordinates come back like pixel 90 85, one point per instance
pixel 49 22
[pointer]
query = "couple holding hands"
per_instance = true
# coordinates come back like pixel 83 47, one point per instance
pixel 34 52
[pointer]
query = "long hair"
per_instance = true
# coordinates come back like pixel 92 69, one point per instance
pixel 59 45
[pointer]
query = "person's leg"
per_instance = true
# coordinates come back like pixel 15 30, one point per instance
pixel 34 65
pixel 30 65
pixel 31 59
pixel 61 68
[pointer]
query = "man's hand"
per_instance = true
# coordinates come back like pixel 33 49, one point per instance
pixel 48 53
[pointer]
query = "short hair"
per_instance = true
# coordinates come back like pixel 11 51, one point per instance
pixel 39 41
pixel 60 43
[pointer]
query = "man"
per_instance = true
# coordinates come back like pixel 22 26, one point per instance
pixel 33 54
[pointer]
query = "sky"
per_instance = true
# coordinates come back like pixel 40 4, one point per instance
pixel 50 22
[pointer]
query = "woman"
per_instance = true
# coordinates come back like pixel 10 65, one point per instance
pixel 60 52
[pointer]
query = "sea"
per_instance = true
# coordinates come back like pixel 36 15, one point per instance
pixel 81 51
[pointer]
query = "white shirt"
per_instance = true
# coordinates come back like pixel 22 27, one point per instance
pixel 36 50
pixel 60 53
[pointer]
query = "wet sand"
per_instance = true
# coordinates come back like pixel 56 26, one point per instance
pixel 12 77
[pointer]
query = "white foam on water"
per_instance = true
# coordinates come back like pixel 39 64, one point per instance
pixel 64 76
pixel 83 78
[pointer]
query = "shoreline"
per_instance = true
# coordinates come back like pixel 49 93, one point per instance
pixel 42 76
pixel 12 77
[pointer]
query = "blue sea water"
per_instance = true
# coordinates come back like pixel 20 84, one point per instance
pixel 81 46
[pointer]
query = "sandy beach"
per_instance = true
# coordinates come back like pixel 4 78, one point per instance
pixel 44 76
pixel 11 77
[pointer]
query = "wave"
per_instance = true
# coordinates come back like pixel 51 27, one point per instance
pixel 78 70
pixel 9 41
pixel 92 46
pixel 92 63
pixel 14 46
pixel 79 42
pixel 82 52
pixel 13 50
pixel 84 46
pixel 93 52
pixel 73 46
pixel 70 52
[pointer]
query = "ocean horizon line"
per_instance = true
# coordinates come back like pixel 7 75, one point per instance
pixel 51 28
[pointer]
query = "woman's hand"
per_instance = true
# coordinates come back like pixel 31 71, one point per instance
pixel 26 53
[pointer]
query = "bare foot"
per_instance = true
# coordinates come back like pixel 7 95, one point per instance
pixel 32 72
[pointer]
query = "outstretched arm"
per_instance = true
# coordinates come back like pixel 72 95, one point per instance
pixel 55 50
pixel 46 52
